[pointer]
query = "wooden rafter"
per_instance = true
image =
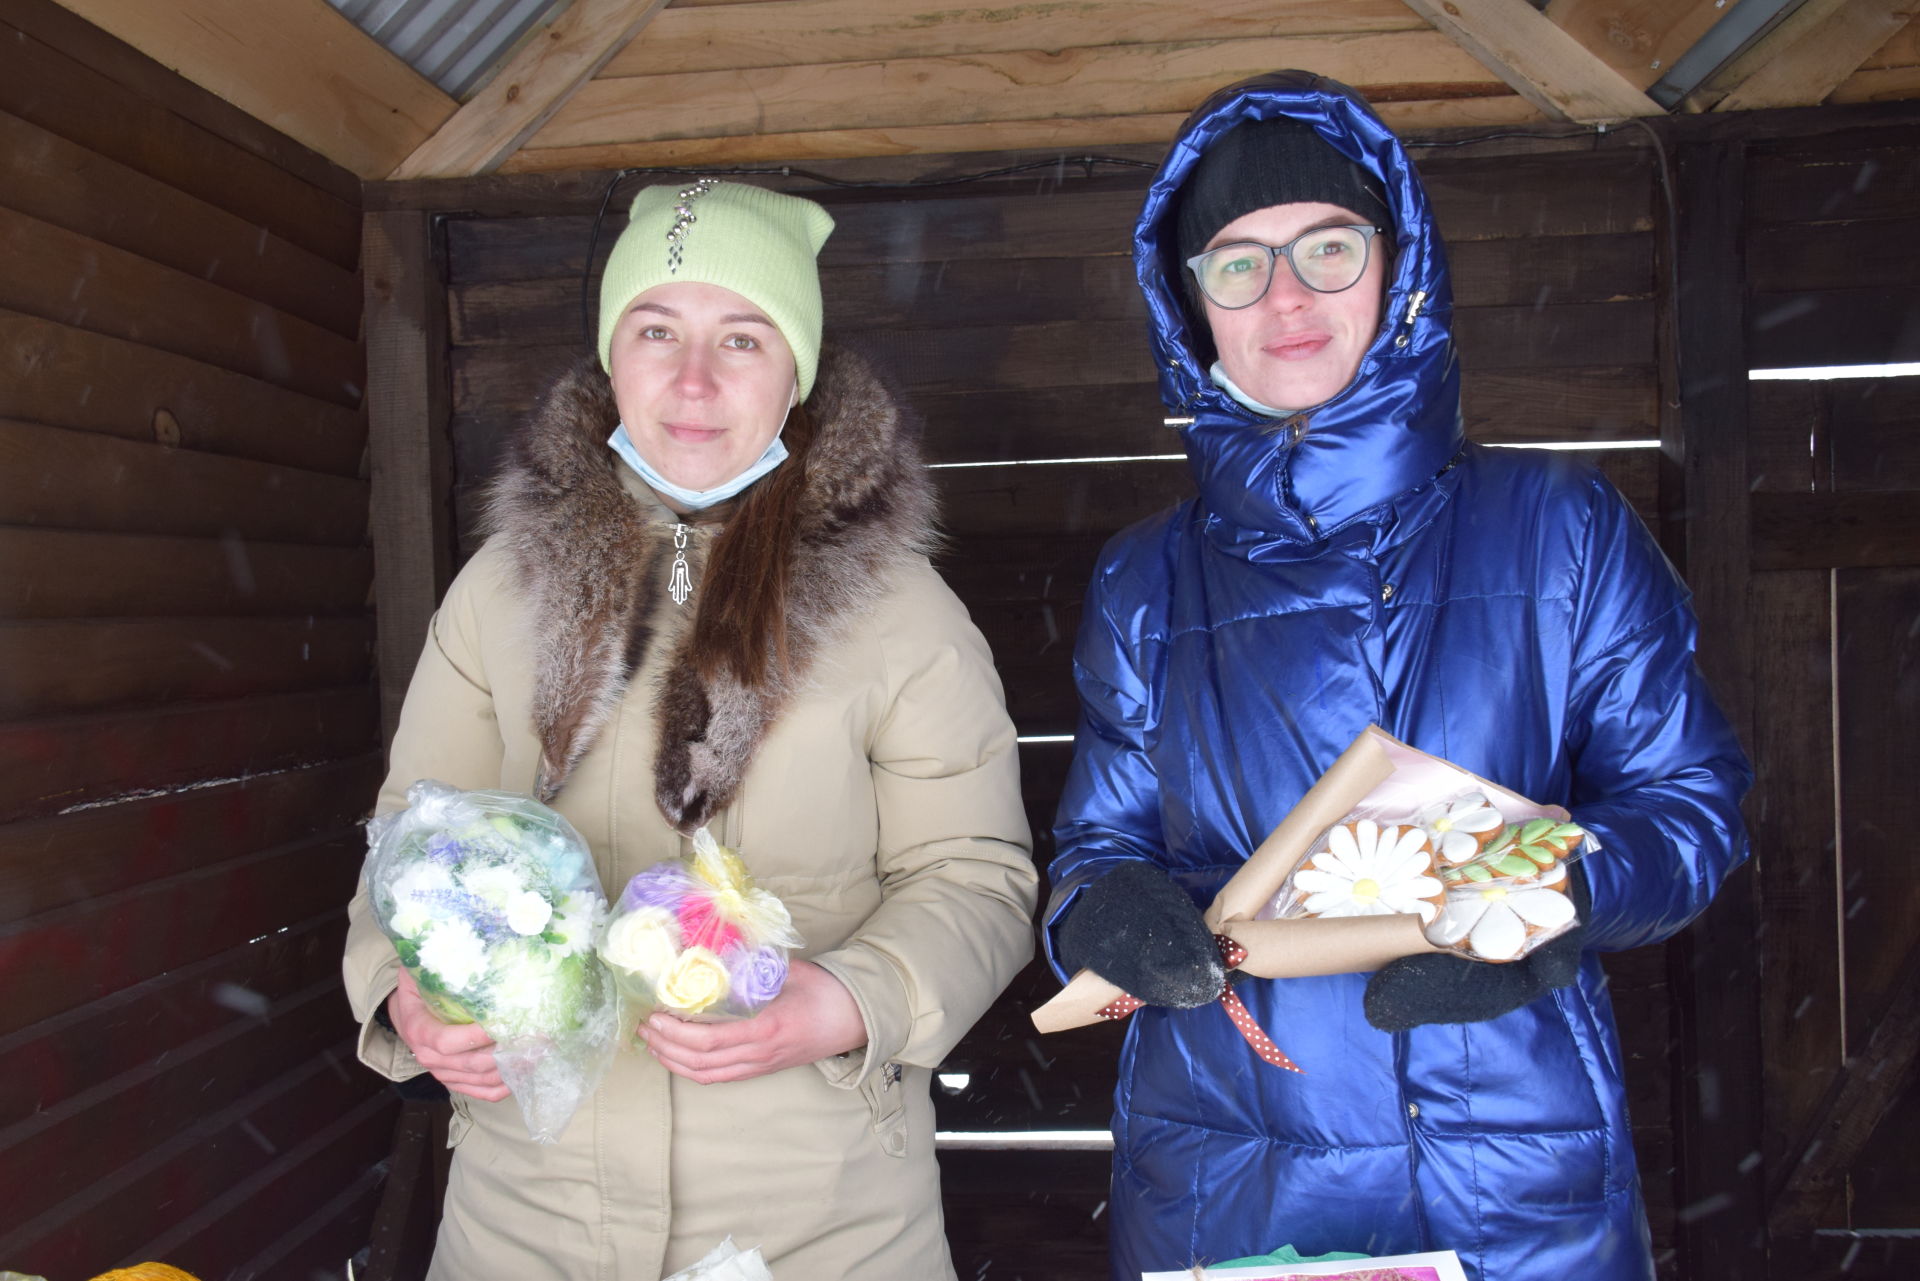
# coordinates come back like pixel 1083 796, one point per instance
pixel 1811 53
pixel 1862 1094
pixel 297 65
pixel 1542 62
pixel 529 89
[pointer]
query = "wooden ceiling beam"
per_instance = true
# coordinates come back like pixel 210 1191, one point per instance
pixel 1031 85
pixel 525 94
pixel 1641 39
pixel 788 33
pixel 296 65
pixel 1081 133
pixel 1542 62
pixel 1810 54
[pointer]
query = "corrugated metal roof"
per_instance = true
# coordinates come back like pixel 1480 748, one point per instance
pixel 453 43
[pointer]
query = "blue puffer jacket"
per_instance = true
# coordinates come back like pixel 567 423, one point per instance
pixel 1505 610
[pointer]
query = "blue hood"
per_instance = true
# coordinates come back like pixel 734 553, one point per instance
pixel 1276 487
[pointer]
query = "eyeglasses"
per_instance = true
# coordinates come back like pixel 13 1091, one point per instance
pixel 1325 260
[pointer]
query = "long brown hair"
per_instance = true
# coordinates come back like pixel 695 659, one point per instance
pixel 741 622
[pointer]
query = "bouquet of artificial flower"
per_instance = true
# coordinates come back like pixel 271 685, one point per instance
pixel 1482 886
pixel 1431 860
pixel 492 902
pixel 696 937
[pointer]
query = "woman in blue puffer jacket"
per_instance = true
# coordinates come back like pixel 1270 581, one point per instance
pixel 1349 560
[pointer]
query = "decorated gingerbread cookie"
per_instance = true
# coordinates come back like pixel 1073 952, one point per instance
pixel 1370 870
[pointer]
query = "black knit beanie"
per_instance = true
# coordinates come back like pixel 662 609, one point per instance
pixel 1259 163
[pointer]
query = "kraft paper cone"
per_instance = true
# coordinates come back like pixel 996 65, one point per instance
pixel 1376 768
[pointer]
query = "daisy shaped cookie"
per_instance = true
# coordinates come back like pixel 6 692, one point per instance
pixel 1370 870
pixel 1495 921
pixel 1460 828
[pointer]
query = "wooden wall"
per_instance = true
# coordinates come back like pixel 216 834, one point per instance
pixel 1007 311
pixel 1834 471
pixel 187 724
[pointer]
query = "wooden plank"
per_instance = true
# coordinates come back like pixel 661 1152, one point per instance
pixel 1602 195
pixel 75 574
pixel 342 1183
pixel 1101 286
pixel 1833 327
pixel 1843 255
pixel 1045 1209
pixel 1788 438
pixel 920 144
pixel 57 961
pixel 239 1141
pixel 791 33
pixel 1877 700
pixel 56 668
pixel 1887 84
pixel 78 39
pixel 76 479
pixel 1810 53
pixel 300 67
pixel 1863 1093
pixel 1717 988
pixel 1834 184
pixel 40 83
pixel 50 766
pixel 1795 832
pixel 62 276
pixel 1079 499
pixel 507 381
pixel 1640 39
pixel 73 1054
pixel 1021 85
pixel 46 177
pixel 407 409
pixel 1852 435
pixel 523 95
pixel 59 1153
pixel 54 862
pixel 66 377
pixel 1827 531
pixel 1542 62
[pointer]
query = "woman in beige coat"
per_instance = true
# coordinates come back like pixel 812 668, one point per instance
pixel 648 652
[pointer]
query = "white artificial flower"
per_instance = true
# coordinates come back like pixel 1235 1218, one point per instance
pixel 644 941
pixel 574 922
pixel 1368 870
pixel 1456 826
pixel 453 952
pixel 1494 918
pixel 494 886
pixel 528 913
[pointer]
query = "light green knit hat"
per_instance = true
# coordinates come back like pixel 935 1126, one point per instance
pixel 760 244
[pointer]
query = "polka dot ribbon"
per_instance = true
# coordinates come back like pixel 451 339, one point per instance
pixel 1231 953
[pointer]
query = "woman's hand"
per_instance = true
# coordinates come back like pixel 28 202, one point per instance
pixel 813 1018
pixel 459 1055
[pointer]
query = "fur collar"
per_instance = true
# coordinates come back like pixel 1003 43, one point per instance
pixel 592 568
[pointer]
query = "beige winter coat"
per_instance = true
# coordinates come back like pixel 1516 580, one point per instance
pixel 879 800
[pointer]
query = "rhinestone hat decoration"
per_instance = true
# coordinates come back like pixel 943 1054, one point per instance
pixel 683 219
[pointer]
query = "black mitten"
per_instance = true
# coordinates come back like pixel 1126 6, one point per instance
pixel 1139 931
pixel 1443 988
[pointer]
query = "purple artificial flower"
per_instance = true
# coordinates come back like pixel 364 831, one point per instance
pixel 662 885
pixel 442 848
pixel 758 974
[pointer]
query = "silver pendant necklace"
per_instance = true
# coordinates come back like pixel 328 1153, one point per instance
pixel 680 585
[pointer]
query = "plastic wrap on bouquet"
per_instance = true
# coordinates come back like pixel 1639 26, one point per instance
pixel 493 904
pixel 697 938
pixel 1421 866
